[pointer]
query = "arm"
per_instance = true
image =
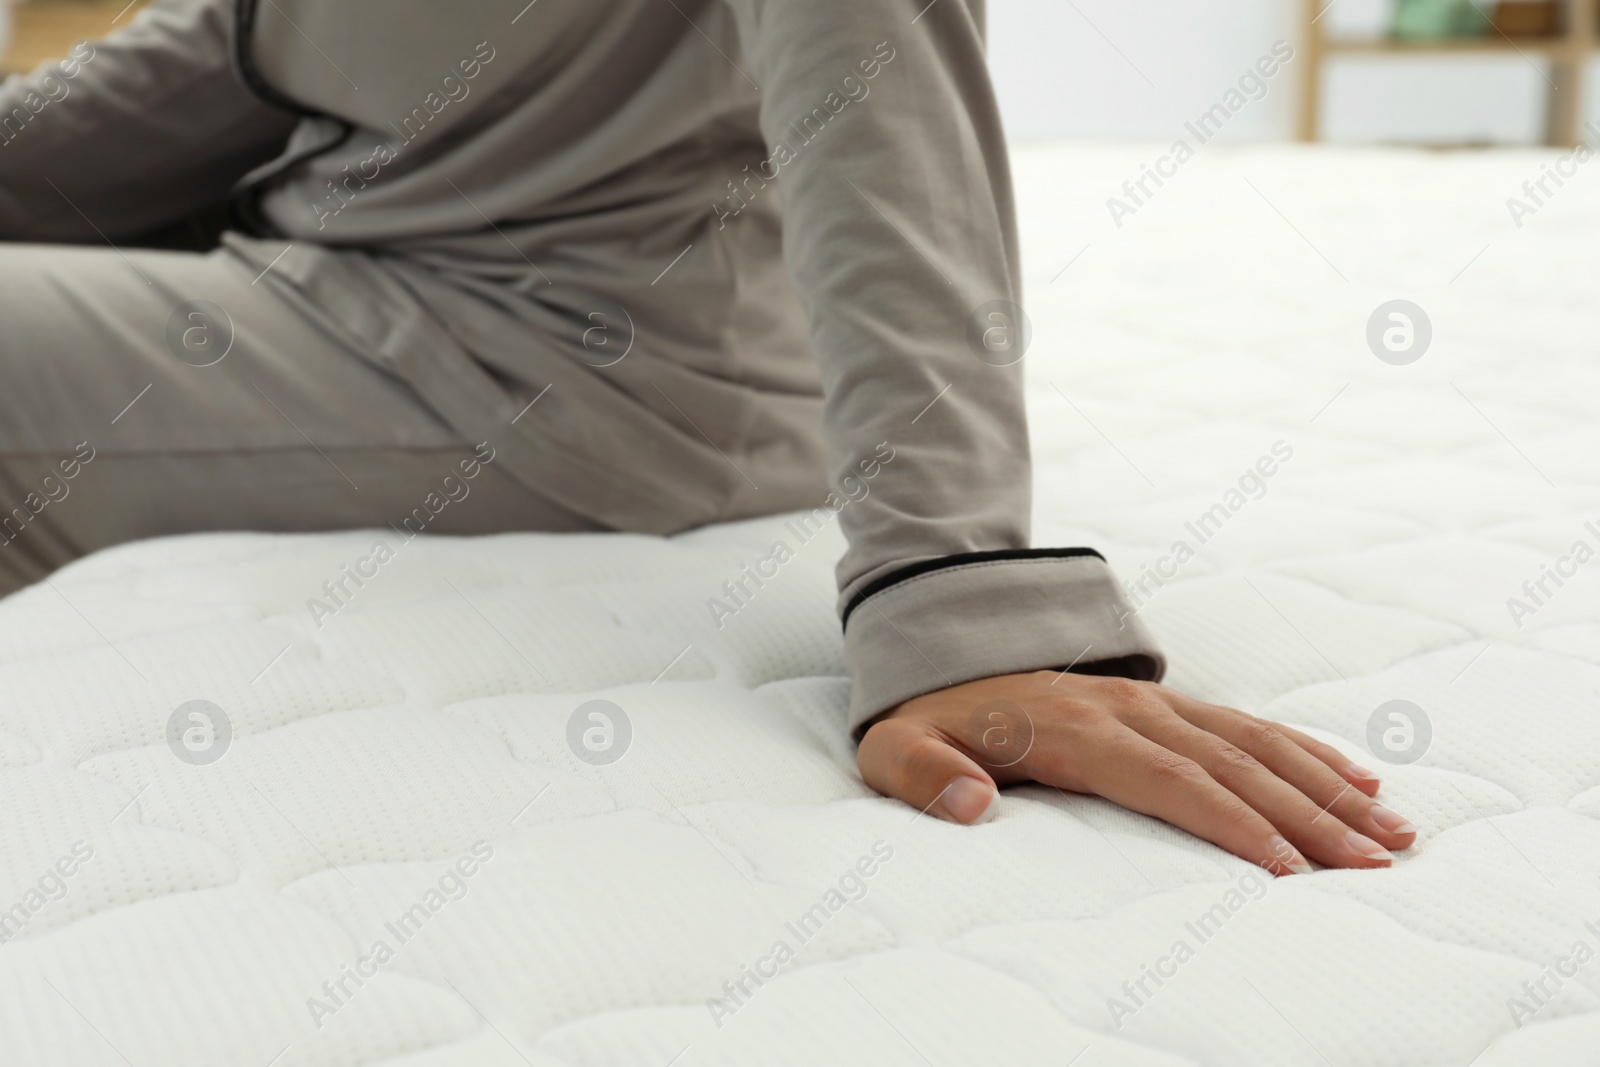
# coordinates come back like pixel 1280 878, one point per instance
pixel 132 132
pixel 898 229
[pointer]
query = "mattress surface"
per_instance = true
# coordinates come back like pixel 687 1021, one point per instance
pixel 532 800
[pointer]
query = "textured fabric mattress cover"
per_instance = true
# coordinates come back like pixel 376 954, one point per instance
pixel 401 858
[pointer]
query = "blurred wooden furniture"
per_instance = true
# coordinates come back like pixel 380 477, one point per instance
pixel 1564 54
pixel 44 31
pixel 1528 18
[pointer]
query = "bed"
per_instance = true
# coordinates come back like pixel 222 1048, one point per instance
pixel 521 799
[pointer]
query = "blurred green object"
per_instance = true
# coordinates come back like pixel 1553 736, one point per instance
pixel 1434 20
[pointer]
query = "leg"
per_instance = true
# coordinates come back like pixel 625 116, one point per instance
pixel 127 411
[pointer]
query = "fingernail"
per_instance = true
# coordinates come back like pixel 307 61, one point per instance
pixel 1285 855
pixel 1391 821
pixel 967 800
pixel 1366 847
pixel 1356 771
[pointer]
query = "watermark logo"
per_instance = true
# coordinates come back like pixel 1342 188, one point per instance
pixel 1399 332
pixel 200 333
pixel 849 888
pixel 1537 993
pixel 1253 85
pixel 199 732
pixel 599 732
pixel 357 176
pixel 1399 732
pixel 51 490
pixel 737 592
pixel 452 885
pixel 1000 733
pixel 799 132
pixel 340 590
pixel 51 887
pixel 608 334
pixel 51 85
pixel 1140 989
pixel 999 333
pixel 1538 191
pixel 1536 589
pixel 1251 485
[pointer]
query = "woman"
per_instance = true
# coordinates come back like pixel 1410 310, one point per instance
pixel 633 251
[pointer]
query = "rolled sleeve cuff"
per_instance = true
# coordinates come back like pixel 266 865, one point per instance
pixel 956 619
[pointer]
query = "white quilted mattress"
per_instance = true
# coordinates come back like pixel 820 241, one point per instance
pixel 400 858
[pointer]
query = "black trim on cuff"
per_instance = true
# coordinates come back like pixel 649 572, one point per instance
pixel 959 559
pixel 1139 666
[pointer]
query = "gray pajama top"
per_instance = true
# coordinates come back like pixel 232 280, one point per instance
pixel 691 233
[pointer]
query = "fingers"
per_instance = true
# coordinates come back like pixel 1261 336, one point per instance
pixel 1314 831
pixel 1360 777
pixel 1357 775
pixel 906 759
pixel 1268 794
pixel 1289 758
pixel 1132 770
pixel 1354 773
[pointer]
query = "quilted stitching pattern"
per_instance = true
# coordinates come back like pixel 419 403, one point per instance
pixel 370 754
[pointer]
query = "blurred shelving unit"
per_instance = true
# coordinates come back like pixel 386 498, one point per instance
pixel 1564 56
pixel 45 29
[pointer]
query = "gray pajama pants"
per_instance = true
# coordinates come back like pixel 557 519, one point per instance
pixel 129 408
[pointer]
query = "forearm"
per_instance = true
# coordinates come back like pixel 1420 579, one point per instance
pixel 130 132
pixel 899 232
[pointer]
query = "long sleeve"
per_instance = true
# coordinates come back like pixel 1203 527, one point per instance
pixel 899 233
pixel 132 132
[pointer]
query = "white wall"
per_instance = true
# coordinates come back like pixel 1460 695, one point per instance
pixel 1141 68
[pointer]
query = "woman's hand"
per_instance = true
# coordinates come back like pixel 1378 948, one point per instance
pixel 1238 781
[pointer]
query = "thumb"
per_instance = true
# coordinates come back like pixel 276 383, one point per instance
pixel 908 760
